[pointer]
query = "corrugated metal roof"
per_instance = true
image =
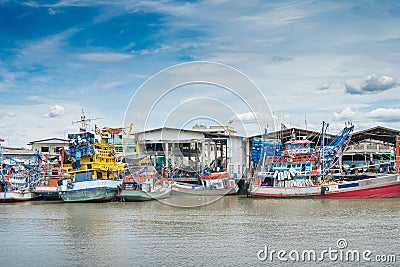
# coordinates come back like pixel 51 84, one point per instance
pixel 49 140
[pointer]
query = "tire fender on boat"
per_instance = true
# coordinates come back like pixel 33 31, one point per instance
pixel 324 189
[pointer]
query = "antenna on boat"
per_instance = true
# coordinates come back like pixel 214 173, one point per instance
pixel 263 149
pixel 305 120
pixel 1 159
pixel 84 122
pixel 322 149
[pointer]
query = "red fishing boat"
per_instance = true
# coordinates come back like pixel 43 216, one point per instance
pixel 372 186
pixel 385 185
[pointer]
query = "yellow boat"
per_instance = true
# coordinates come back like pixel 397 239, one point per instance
pixel 96 173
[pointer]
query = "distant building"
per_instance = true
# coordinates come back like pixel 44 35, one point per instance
pixel 50 145
pixel 372 149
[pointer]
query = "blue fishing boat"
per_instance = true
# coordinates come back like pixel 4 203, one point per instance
pixel 19 178
pixel 299 170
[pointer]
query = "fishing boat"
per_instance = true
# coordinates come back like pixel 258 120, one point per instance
pixel 144 185
pixel 47 185
pixel 18 180
pixel 364 186
pixel 299 170
pixel 210 184
pixel 96 174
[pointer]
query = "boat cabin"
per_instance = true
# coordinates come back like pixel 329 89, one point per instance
pixel 298 147
pixel 219 183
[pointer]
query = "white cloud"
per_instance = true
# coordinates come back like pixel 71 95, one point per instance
pixel 324 86
pixel 385 114
pixel 32 51
pixel 110 85
pixel 5 115
pixel 7 78
pixel 62 3
pixel 346 114
pixel 245 117
pixel 278 15
pixel 56 111
pixel 33 98
pixel 104 57
pixel 370 85
pixel 259 120
pixel 376 116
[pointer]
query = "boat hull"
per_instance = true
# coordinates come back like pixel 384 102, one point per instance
pixel 90 191
pixel 17 196
pixel 47 192
pixel 381 187
pixel 180 190
pixel 134 195
pixel 285 192
pixel 378 187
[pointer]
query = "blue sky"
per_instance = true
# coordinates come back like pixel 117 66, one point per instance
pixel 319 60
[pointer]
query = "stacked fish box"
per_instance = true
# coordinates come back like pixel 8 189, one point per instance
pixel 256 149
pixel 269 148
pixel 81 144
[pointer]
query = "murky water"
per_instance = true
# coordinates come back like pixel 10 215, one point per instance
pixel 229 232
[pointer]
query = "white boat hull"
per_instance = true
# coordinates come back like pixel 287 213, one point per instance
pixel 93 190
pixel 285 192
pixel 16 196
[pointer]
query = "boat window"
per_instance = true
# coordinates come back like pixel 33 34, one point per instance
pixel 303 168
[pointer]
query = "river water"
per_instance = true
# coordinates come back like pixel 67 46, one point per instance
pixel 232 231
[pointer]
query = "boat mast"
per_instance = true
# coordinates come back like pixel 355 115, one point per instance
pixel 84 122
pixel 322 149
pixel 126 141
pixel 62 162
pixel 263 150
pixel 1 160
pixel 397 154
